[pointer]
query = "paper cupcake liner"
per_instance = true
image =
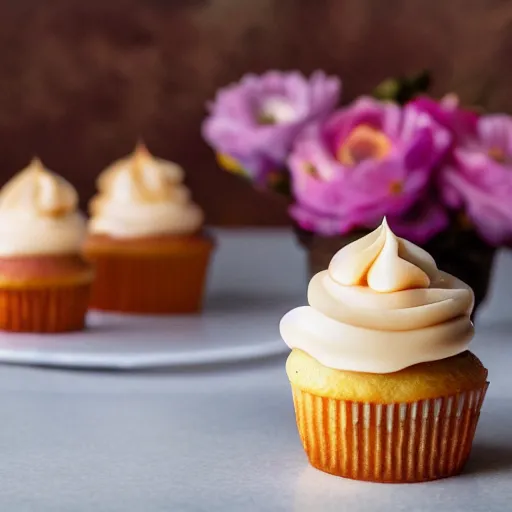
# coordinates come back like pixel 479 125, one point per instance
pixel 44 310
pixel 401 442
pixel 149 285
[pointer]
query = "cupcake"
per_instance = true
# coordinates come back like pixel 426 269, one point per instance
pixel 44 282
pixel 145 239
pixel 383 384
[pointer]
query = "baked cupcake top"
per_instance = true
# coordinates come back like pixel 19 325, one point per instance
pixel 143 196
pixel 381 306
pixel 38 214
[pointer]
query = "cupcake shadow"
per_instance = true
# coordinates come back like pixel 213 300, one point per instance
pixel 488 457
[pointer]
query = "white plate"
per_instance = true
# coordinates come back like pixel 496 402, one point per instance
pixel 236 331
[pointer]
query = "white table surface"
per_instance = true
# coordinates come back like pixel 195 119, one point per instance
pixel 223 438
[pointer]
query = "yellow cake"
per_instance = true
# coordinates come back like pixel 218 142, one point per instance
pixel 384 386
pixel 453 375
pixel 145 239
pixel 44 281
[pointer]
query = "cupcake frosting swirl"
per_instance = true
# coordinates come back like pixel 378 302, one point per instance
pixel 141 196
pixel 382 305
pixel 38 214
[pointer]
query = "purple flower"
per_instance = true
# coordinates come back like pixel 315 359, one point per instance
pixel 425 219
pixel 367 160
pixel 479 180
pixel 461 123
pixel 254 122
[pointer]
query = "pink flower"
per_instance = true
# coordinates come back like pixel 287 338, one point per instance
pixel 253 123
pixel 479 179
pixel 366 161
pixel 447 112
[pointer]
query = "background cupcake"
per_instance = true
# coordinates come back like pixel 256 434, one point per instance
pixel 383 384
pixel 146 240
pixel 44 282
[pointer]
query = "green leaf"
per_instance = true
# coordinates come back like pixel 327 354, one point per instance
pixel 403 89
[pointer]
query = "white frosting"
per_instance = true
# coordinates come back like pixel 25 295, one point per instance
pixel 380 307
pixel 38 214
pixel 142 196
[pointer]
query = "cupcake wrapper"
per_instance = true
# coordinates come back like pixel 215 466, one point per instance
pixel 44 310
pixel 150 285
pixel 401 442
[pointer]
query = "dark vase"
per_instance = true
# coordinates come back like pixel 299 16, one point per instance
pixel 459 252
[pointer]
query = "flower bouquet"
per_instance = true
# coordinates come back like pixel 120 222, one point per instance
pixel 440 173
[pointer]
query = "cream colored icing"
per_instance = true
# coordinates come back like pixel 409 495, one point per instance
pixel 141 196
pixel 381 306
pixel 38 214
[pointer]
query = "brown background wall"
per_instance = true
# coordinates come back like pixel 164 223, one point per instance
pixel 81 81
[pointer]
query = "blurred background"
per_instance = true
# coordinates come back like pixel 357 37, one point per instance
pixel 82 81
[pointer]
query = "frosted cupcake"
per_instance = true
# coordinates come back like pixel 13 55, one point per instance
pixel 44 282
pixel 146 240
pixel 383 384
